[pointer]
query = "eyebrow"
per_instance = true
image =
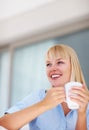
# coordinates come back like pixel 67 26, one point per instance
pixel 56 59
pixel 59 59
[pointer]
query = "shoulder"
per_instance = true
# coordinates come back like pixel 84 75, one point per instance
pixel 29 100
pixel 87 112
pixel 88 107
pixel 37 94
pixel 34 97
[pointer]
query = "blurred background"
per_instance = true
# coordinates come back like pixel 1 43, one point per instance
pixel 27 29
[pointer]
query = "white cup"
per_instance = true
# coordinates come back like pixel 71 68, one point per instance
pixel 68 86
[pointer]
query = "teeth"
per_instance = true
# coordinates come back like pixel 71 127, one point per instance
pixel 55 76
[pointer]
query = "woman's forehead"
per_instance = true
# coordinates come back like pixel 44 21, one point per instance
pixel 57 55
pixel 59 58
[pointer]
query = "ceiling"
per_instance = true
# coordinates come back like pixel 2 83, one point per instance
pixel 10 8
pixel 26 19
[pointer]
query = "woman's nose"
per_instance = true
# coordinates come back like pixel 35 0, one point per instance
pixel 54 67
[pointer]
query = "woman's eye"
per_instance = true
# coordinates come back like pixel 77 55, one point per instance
pixel 48 64
pixel 60 62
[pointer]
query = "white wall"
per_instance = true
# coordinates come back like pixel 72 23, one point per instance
pixel 10 8
pixel 57 13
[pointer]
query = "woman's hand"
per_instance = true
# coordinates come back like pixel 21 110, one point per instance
pixel 54 96
pixel 82 97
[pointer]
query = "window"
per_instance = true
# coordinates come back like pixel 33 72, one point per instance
pixel 29 70
pixel 4 80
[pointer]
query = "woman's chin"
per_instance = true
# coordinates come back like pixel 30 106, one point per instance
pixel 57 85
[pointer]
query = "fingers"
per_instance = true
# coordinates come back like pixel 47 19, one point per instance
pixel 81 92
pixel 57 93
pixel 80 95
pixel 55 96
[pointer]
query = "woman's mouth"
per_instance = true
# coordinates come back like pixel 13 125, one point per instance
pixel 55 76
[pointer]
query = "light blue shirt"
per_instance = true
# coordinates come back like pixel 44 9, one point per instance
pixel 53 119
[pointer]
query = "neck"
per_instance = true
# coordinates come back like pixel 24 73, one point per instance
pixel 65 108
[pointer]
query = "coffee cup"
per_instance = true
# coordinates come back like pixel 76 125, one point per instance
pixel 68 86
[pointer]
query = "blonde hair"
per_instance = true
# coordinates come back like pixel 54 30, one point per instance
pixel 66 51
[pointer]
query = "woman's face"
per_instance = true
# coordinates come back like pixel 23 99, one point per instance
pixel 58 71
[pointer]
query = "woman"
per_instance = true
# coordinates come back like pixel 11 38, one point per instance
pixel 47 110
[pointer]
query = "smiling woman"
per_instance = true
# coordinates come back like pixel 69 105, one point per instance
pixel 48 110
pixel 57 59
